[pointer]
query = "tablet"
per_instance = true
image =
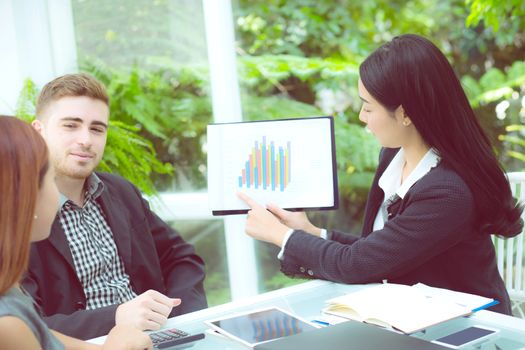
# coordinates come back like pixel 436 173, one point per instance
pixel 289 162
pixel 259 326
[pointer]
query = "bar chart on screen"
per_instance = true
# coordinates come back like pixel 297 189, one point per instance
pixel 289 162
pixel 268 167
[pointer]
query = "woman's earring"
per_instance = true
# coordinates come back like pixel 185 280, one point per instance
pixel 35 217
pixel 406 122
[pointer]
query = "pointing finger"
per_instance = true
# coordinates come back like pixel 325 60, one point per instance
pixel 248 200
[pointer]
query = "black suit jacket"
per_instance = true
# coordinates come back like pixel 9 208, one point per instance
pixel 154 255
pixel 430 237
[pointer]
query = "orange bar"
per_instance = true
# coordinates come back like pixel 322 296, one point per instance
pixel 244 176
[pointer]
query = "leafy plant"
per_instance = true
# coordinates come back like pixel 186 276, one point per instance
pixel 493 12
pixel 502 91
pixel 496 84
pixel 169 106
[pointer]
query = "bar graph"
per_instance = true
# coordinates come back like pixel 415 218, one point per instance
pixel 267 167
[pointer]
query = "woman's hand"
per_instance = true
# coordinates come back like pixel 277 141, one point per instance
pixel 124 337
pixel 262 224
pixel 296 220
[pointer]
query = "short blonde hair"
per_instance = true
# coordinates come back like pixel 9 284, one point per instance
pixel 80 84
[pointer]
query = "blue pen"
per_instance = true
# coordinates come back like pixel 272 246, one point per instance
pixel 322 323
pixel 483 307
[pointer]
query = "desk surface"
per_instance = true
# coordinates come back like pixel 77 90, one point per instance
pixel 307 300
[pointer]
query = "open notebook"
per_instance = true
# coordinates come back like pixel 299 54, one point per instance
pixel 397 306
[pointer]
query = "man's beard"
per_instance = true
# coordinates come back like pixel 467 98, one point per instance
pixel 62 169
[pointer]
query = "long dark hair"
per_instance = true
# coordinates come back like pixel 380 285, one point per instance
pixel 410 71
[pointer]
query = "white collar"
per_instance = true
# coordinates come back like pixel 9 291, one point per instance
pixel 390 181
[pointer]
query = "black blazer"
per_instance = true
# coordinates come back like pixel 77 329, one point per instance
pixel 154 255
pixel 430 237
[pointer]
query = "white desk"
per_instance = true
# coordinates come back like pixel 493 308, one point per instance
pixel 307 299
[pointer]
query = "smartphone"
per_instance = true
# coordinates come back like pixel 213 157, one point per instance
pixel 467 336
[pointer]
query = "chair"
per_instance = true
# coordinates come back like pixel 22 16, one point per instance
pixel 509 253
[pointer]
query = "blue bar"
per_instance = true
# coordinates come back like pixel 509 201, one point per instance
pixel 255 170
pixel 240 181
pixel 264 162
pixel 272 161
pixel 289 162
pixel 248 174
pixel 281 168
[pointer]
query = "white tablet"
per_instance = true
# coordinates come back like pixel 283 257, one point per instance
pixel 289 162
pixel 260 326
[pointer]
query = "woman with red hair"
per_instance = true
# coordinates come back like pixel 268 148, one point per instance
pixel 27 210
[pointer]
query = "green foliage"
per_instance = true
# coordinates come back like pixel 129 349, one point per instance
pixel 275 107
pixel 326 28
pixel 357 154
pixel 279 280
pixel 515 144
pixel 132 156
pixel 123 33
pixel 267 74
pixel 495 84
pixel 168 105
pixel 493 12
pixel 504 89
pixel 25 108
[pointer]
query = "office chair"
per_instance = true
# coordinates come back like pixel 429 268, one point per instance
pixel 510 254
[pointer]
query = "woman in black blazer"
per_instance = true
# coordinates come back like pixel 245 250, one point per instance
pixel 437 196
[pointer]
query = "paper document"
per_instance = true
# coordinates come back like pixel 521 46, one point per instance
pixel 290 162
pixel 472 301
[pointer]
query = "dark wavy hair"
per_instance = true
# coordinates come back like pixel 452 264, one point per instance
pixel 410 71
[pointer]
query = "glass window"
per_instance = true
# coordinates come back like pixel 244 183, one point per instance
pixel 208 240
pixel 285 73
pixel 152 56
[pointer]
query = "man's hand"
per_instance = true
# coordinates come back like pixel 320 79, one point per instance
pixel 148 311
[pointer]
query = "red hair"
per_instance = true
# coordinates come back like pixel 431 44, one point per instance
pixel 24 163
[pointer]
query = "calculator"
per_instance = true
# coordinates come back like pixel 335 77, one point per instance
pixel 172 337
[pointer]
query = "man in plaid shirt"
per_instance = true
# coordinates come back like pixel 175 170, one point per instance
pixel 109 259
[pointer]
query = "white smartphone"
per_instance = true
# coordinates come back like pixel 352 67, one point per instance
pixel 468 336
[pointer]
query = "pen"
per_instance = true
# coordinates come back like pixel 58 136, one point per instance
pixel 322 323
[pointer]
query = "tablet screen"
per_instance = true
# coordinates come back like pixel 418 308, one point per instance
pixel 289 162
pixel 262 325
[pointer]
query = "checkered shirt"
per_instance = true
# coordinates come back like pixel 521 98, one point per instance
pixel 99 267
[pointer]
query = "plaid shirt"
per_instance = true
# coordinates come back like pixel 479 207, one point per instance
pixel 99 267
